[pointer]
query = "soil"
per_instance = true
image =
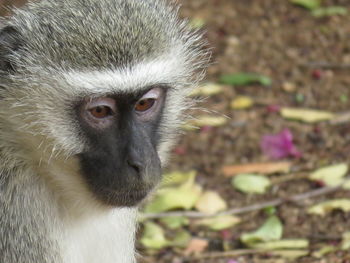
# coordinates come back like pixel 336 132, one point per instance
pixel 288 44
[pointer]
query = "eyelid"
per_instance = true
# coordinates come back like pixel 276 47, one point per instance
pixel 154 93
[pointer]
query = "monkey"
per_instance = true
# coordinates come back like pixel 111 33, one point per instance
pixel 92 96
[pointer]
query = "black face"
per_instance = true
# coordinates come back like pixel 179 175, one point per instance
pixel 122 165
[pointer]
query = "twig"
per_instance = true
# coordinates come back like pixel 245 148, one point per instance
pixel 227 254
pixel 250 208
pixel 326 65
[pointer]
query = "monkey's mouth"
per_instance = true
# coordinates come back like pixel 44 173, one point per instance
pixel 124 198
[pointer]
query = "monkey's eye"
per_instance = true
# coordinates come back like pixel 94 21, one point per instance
pixel 144 104
pixel 101 112
pixel 148 101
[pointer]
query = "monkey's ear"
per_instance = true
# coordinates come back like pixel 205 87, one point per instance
pixel 10 41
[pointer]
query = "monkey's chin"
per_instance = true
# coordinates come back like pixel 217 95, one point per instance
pixel 125 198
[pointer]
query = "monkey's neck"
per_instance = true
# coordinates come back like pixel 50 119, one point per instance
pixel 107 238
pixel 65 230
pixel 92 233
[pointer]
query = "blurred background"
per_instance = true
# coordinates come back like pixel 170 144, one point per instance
pixel 260 174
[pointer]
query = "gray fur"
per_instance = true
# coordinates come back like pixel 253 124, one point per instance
pixel 44 47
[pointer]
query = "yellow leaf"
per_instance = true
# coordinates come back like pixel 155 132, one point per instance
pixel 290 254
pixel 174 222
pixel 306 115
pixel 210 202
pixel 328 206
pixel 282 244
pixel 331 175
pixel 207 89
pixel 242 102
pixel 219 222
pixel 206 120
pixel 345 244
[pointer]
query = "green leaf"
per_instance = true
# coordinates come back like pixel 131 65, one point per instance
pixel 174 222
pixel 176 178
pixel 328 206
pixel 242 79
pixel 251 183
pixel 329 11
pixel 283 244
pixel 271 230
pixel 183 197
pixel 153 236
pixel 331 175
pixel 181 239
pixel 308 4
pixel 219 222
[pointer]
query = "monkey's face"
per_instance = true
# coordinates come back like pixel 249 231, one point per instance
pixel 121 165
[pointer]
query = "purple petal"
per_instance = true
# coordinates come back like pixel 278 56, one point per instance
pixel 232 261
pixel 279 146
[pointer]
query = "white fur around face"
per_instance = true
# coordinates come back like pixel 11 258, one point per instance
pixel 166 70
pixel 103 238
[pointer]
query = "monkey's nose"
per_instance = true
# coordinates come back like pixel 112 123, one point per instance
pixel 135 165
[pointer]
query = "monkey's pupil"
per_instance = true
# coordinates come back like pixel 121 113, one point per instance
pixel 145 104
pixel 101 111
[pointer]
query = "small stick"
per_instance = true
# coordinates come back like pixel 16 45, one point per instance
pixel 249 208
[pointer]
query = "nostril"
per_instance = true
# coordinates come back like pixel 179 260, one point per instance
pixel 135 165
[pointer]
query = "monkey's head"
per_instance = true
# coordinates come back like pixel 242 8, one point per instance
pixel 96 89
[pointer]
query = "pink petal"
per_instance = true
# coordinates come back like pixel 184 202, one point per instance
pixel 279 146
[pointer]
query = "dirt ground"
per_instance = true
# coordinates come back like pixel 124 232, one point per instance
pixel 286 43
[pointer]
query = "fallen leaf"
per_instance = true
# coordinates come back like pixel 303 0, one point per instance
pixel 329 11
pixel 345 244
pixel 282 244
pixel 306 115
pixel 207 89
pixel 290 254
pixel 341 118
pixel 182 239
pixel 241 103
pixel 271 230
pixel 176 177
pixel 210 202
pixel 174 222
pixel 320 253
pixel 328 206
pixel 197 23
pixel 260 168
pixel 279 146
pixel 183 197
pixel 308 4
pixel 205 120
pixel 251 183
pixel 289 87
pixel 242 79
pixel 330 175
pixel 196 246
pixel 219 222
pixel 153 236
